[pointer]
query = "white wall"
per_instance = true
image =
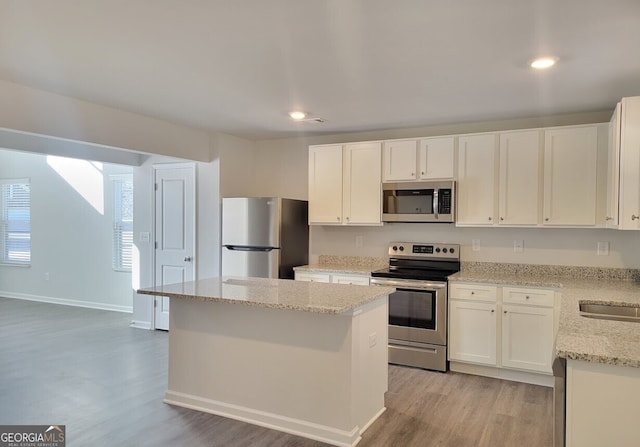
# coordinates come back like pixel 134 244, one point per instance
pixel 283 171
pixel 26 109
pixel 71 236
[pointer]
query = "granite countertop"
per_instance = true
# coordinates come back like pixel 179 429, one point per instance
pixel 581 338
pixel 347 265
pixel 274 293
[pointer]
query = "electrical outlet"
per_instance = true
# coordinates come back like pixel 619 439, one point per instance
pixel 46 276
pixel 518 246
pixel 475 244
pixel 373 339
pixel 359 241
pixel 603 248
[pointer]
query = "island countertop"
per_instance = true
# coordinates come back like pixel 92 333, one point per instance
pixel 274 293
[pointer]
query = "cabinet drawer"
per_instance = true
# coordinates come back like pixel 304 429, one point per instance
pixel 473 292
pixel 532 297
pixel 350 279
pixel 312 277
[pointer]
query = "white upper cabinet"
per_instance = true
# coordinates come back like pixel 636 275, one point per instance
pixel 427 159
pixel 325 184
pixel 629 212
pixel 362 199
pixel 435 158
pixel 477 186
pixel 345 184
pixel 520 167
pixel 399 159
pixel 613 169
pixel 570 176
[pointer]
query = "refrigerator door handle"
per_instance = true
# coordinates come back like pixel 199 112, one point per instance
pixel 244 248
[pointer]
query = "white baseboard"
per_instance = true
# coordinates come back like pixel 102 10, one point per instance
pixel 67 302
pixel 501 373
pixel 298 427
pixel 140 324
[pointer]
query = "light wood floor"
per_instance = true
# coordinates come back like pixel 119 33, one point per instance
pixel 105 381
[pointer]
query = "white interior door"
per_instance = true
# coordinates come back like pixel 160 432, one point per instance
pixel 174 232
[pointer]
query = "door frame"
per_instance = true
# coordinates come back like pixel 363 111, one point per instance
pixel 156 167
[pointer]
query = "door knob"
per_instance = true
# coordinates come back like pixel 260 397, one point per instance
pixel 187 259
pixel 634 217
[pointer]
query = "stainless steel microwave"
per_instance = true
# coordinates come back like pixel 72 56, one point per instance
pixel 419 201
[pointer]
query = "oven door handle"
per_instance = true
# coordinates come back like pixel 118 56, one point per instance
pixel 409 284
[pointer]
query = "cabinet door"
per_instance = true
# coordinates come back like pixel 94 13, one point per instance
pixel 519 178
pixel 472 332
pixel 400 160
pixel 435 158
pixel 325 184
pixel 476 180
pixel 630 165
pixel 527 337
pixel 350 279
pixel 570 168
pixel 613 170
pixel 362 186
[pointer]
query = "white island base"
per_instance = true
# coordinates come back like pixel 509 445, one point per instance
pixel 317 375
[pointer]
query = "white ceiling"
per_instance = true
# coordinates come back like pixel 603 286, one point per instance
pixel 239 66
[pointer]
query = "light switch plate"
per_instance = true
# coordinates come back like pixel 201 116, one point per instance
pixel 603 248
pixel 144 236
pixel 475 244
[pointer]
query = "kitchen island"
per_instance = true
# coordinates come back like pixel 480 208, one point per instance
pixel 305 358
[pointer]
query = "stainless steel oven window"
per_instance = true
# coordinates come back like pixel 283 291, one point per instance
pixel 411 308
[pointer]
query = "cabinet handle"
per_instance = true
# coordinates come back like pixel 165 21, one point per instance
pixel 505 312
pixel 634 217
pixel 493 310
pixel 502 218
pixel 527 297
pixel 608 218
pixel 422 173
pixel 338 218
pixel 413 174
pixel 347 218
pixel 187 259
pixel 473 293
pixel 490 219
pixel 546 219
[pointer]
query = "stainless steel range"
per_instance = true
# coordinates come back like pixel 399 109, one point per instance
pixel 418 307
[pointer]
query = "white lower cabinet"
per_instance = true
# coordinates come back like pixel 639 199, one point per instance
pixel 474 337
pixel 360 280
pixel 504 327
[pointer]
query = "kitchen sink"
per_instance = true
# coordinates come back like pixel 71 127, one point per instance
pixel 610 312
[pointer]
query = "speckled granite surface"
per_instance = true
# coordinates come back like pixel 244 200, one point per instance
pixel 274 293
pixel 579 338
pixel 354 265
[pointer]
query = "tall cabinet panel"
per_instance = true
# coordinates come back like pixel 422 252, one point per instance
pixel 570 174
pixel 362 176
pixel 519 178
pixel 613 170
pixel 630 164
pixel 325 184
pixel 477 156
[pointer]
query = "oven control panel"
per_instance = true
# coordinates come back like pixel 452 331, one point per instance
pixel 424 250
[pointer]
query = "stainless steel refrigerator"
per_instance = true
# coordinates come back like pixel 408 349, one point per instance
pixel 264 237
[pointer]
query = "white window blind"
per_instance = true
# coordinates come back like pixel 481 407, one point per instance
pixel 15 221
pixel 123 222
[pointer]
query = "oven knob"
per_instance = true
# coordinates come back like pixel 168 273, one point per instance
pixel 438 250
pixel 444 250
pixel 451 250
pixel 395 248
pixel 401 248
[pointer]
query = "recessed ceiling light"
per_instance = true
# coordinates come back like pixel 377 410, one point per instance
pixel 297 115
pixel 543 62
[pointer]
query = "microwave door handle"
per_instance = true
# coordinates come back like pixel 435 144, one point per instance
pixel 435 203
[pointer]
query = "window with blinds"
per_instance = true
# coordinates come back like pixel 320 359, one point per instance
pixel 123 222
pixel 15 221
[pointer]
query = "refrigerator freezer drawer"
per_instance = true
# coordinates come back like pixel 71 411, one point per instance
pixel 244 261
